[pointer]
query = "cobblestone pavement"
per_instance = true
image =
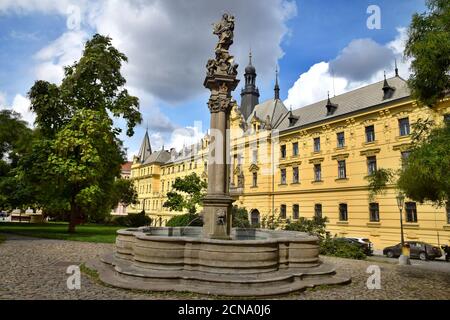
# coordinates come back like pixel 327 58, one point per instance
pixel 36 269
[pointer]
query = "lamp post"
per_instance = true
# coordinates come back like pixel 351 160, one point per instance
pixel 400 204
pixel 404 258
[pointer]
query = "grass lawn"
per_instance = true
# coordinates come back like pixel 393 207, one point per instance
pixel 58 230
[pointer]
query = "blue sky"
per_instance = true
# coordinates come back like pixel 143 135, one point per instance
pixel 168 49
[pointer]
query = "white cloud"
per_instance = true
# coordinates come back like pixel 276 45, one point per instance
pixel 357 67
pixel 42 6
pixel 361 59
pixel 21 105
pixel 312 86
pixel 185 137
pixel 62 52
pixel 169 42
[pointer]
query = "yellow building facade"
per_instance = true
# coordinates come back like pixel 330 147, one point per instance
pixel 311 161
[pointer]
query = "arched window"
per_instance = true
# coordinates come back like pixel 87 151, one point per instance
pixel 254 217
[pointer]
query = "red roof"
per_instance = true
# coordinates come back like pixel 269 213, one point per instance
pixel 127 166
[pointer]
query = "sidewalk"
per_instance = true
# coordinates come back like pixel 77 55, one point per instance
pixel 436 265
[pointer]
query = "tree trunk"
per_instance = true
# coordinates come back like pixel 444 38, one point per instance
pixel 74 217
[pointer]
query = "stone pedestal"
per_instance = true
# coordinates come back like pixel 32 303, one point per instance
pixel 404 260
pixel 217 217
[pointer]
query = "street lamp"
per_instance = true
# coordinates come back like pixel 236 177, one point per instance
pixel 400 204
pixel 404 258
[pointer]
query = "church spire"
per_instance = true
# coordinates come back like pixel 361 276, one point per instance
pixel 146 150
pixel 250 93
pixel 396 68
pixel 277 87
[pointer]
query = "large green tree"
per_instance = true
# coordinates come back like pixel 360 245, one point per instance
pixel 187 194
pixel 15 139
pixel 426 173
pixel 429 46
pixel 74 166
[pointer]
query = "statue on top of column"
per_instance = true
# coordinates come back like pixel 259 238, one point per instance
pixel 224 29
pixel 223 62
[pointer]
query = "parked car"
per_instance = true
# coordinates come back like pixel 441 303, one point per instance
pixel 365 246
pixel 446 249
pixel 419 250
pixel 364 241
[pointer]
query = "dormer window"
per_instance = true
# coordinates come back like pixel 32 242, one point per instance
pixel 292 119
pixel 331 107
pixel 388 91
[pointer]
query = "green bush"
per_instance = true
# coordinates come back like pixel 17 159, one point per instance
pixel 183 220
pixel 133 220
pixel 315 226
pixel 338 248
pixel 328 246
pixel 240 218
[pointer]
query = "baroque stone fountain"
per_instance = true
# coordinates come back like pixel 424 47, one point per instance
pixel 216 259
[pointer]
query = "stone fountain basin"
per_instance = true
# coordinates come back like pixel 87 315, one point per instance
pixel 255 262
pixel 249 250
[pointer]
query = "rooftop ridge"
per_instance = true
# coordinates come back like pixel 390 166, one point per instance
pixel 351 91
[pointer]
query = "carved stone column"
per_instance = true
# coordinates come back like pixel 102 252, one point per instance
pixel 221 81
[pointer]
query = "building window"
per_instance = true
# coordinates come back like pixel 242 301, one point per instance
pixel 447 209
pixel 404 126
pixel 254 156
pixel 295 178
pixel 255 179
pixel 283 151
pixel 340 140
pixel 318 210
pixel 411 212
pixel 370 133
pixel 283 211
pixel 374 212
pixel 295 211
pixel 371 165
pixel 317 172
pixel 342 172
pixel 405 156
pixel 283 176
pixel 317 144
pixel 295 149
pixel 254 216
pixel 343 215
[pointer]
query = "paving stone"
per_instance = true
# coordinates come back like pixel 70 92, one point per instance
pixel 36 269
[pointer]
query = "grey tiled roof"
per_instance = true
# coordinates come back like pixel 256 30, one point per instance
pixel 355 100
pixel 161 156
pixel 274 108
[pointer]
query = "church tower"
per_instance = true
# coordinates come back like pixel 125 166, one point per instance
pixel 250 93
pixel 146 150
